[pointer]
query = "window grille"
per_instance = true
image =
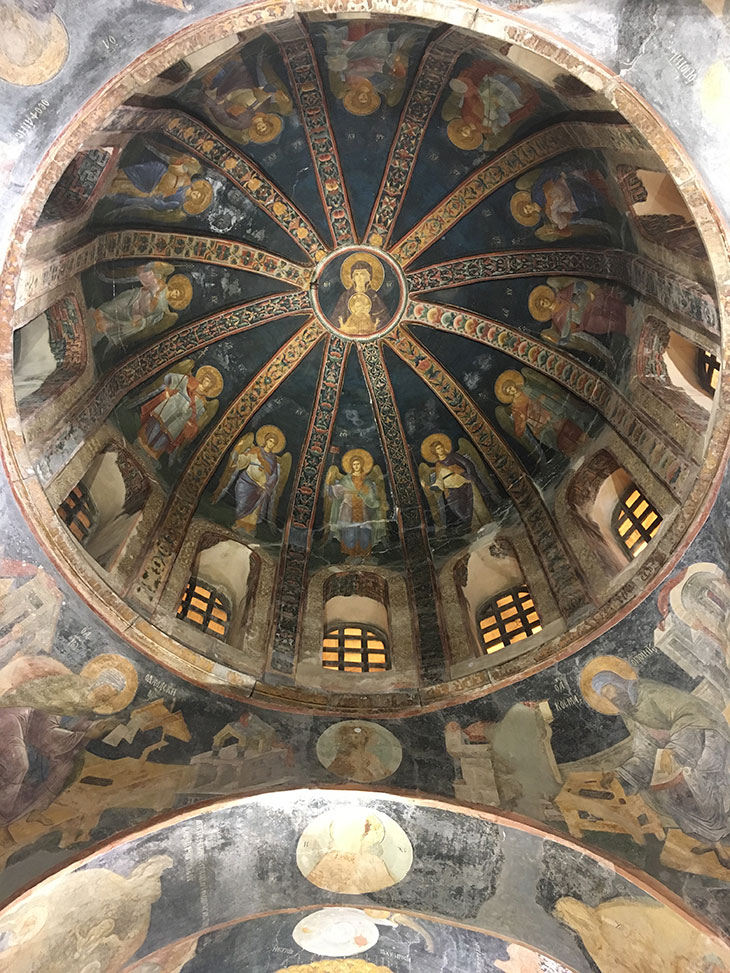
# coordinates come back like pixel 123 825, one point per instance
pixel 708 370
pixel 206 607
pixel 635 521
pixel 78 513
pixel 355 648
pixel 510 616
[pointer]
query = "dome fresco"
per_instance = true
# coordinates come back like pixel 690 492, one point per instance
pixel 367 298
pixel 364 600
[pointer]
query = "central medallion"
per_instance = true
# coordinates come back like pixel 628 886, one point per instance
pixel 358 292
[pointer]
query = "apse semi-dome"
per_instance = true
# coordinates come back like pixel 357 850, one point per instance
pixel 364 361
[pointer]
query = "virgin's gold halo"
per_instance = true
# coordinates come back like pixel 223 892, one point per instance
pixel 212 373
pixel 430 441
pixel 94 672
pixel 183 284
pixel 510 377
pixel 518 208
pixel 265 431
pixel 363 455
pixel 540 302
pixel 377 276
pixel 603 663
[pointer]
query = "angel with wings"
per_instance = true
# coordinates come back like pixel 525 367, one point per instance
pixel 579 310
pixel 355 505
pixel 257 472
pixel 538 412
pixel 567 201
pixel 457 486
pixel 178 407
pixel 149 308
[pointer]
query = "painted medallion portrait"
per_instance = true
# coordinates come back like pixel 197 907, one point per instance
pixel 336 932
pixel 354 850
pixel 361 751
pixel 359 292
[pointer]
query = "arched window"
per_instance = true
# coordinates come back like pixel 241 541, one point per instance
pixel 635 521
pixel 78 513
pixel 509 617
pixel 206 607
pixel 708 370
pixel 355 648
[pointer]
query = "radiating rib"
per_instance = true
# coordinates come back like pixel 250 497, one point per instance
pixel 39 278
pixel 307 89
pixel 561 573
pixel 421 577
pixel 567 371
pixel 182 503
pixel 674 293
pixel 149 361
pixel 510 164
pixel 305 492
pixel 433 73
pixel 210 147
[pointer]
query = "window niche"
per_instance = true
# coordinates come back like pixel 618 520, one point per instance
pixel 485 580
pixel 217 597
pixel 49 353
pixel 356 624
pixel 102 509
pixel 659 211
pixel 596 496
pixel 510 616
pixel 677 372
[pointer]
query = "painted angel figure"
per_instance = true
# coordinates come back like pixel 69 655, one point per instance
pixel 578 310
pixel 365 65
pixel 569 202
pixel 457 486
pixel 178 408
pixel 257 473
pixel 538 413
pixel 486 101
pixel 149 308
pixel 246 103
pixel 155 181
pixel 355 505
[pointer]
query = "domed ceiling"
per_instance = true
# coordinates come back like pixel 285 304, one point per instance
pixel 368 300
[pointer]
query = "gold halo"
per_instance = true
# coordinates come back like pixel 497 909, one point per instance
pixel 430 441
pixel 93 669
pixel 511 376
pixel 273 128
pixel 366 106
pixel 263 431
pixel 194 209
pixel 540 302
pixel 517 209
pixel 211 372
pixel 603 663
pixel 365 457
pixel 377 276
pixel 183 284
pixel 463 134
pixel 46 55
